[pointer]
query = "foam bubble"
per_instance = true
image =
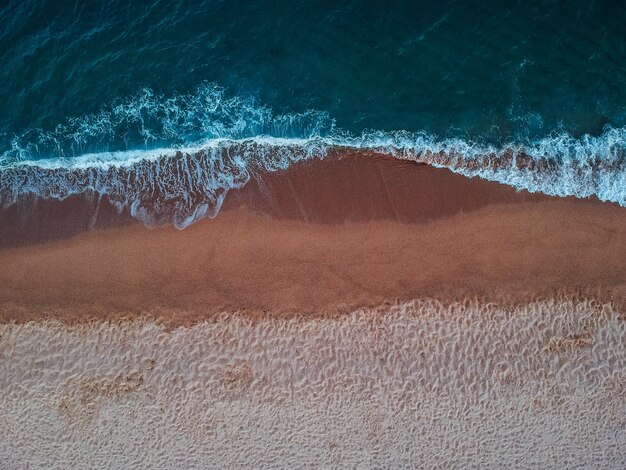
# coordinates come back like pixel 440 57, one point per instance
pixel 159 187
pixel 558 165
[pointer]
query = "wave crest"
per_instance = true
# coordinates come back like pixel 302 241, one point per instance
pixel 558 165
pixel 149 120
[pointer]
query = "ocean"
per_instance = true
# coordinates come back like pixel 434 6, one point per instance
pixel 105 97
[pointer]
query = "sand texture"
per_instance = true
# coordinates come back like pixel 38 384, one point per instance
pixel 417 385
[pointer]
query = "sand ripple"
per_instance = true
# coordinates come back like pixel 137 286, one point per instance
pixel 411 385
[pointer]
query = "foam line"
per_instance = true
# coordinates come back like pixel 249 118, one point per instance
pixel 199 146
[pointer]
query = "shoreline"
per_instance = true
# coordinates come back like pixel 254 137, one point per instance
pixel 286 245
pixel 344 186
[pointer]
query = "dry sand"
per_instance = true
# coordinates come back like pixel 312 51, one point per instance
pixel 419 385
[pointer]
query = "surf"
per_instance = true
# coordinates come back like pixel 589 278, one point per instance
pixel 172 160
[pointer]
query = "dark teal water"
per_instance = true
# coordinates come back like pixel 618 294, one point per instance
pixel 92 77
pixel 477 68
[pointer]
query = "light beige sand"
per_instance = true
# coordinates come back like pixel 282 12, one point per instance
pixel 419 385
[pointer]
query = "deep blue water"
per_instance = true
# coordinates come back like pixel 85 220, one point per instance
pixel 91 77
pixel 446 67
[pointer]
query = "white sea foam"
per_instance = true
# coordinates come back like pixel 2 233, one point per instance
pixel 200 146
pixel 413 385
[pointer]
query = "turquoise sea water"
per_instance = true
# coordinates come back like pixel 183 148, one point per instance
pixel 90 87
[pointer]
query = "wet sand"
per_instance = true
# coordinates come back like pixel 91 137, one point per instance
pixel 324 238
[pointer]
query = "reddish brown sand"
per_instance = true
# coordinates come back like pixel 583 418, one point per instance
pixel 324 238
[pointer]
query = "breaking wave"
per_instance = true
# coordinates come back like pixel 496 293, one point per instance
pixel 172 160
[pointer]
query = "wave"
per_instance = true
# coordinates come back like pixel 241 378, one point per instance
pixel 167 186
pixel 558 165
pixel 149 120
pixel 213 144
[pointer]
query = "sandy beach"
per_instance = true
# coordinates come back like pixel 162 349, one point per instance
pixel 356 311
